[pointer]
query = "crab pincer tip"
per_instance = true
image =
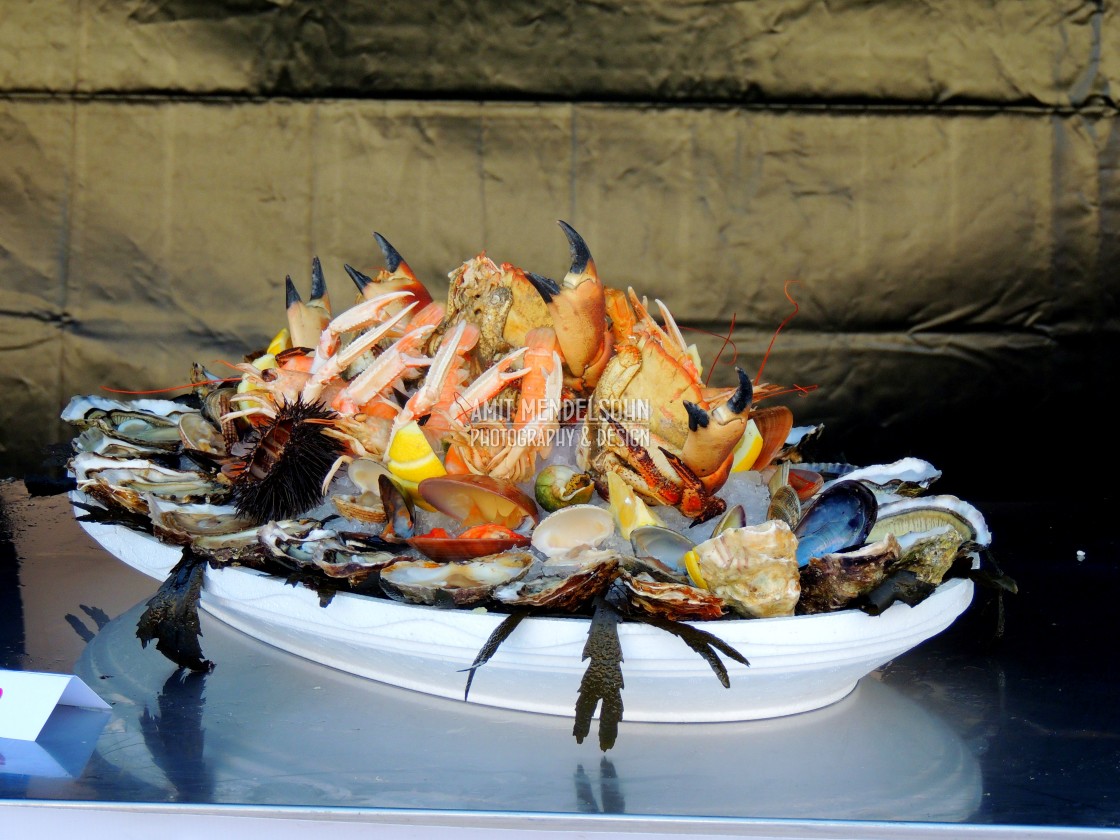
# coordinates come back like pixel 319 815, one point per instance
pixel 548 288
pixel 360 280
pixel 697 417
pixel 291 294
pixel 393 259
pixel 318 282
pixel 741 399
pixel 581 254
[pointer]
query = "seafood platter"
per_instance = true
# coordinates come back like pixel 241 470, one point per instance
pixel 513 497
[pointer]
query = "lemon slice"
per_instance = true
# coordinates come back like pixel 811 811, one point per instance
pixel 629 510
pixel 746 452
pixel 282 341
pixel 692 566
pixel 411 459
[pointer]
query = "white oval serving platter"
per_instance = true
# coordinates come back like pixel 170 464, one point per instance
pixel 797 663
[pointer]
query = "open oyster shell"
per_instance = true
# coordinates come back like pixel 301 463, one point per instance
pixel 459 583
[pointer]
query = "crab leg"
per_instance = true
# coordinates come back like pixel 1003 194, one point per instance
pixel 383 371
pixel 332 366
pixel 357 317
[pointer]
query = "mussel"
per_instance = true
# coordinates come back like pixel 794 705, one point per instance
pixel 841 517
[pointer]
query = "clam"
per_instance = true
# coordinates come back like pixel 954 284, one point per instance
pixel 477 541
pixel 365 505
pixel 774 423
pixel 664 545
pixel 460 583
pixel 841 517
pixel 200 437
pixel 480 499
pixel 578 526
pixel 753 569
pixel 736 517
pixel 558 486
pixel 785 503
pixel 833 581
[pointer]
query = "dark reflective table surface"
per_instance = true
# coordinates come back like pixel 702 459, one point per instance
pixel 1009 718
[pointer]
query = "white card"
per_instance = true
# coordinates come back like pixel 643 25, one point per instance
pixel 27 699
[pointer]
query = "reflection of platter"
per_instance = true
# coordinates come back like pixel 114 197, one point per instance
pixel 329 739
pixel 797 663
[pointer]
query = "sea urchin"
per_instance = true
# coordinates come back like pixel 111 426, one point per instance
pixel 282 464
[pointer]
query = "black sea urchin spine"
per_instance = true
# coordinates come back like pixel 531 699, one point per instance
pixel 284 470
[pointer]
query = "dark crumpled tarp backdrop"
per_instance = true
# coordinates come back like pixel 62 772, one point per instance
pixel 941 180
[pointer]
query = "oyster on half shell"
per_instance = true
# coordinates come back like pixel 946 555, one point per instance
pixel 458 583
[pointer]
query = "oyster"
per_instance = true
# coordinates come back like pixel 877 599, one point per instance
pixel 753 569
pixel 183 524
pixel 305 543
pixel 575 527
pixel 674 601
pixel 905 477
pixel 460 583
pixel 931 513
pixel 152 423
pixel 833 581
pixel 931 557
pixel 563 583
pixel 127 483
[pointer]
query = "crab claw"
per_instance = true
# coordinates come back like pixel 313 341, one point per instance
pixel 696 501
pixel 307 320
pixel 579 315
pixel 713 435
pixel 396 276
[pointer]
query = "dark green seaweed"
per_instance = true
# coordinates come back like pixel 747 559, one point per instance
pixel 702 642
pixel 490 647
pixel 172 615
pixel 602 681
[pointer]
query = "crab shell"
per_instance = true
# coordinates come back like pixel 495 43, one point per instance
pixel 638 426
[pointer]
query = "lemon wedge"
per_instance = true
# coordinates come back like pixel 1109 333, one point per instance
pixel 629 510
pixel 411 459
pixel 747 450
pixel 692 566
pixel 282 341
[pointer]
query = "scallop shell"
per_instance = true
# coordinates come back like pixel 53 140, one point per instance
pixel 574 527
pixel 461 583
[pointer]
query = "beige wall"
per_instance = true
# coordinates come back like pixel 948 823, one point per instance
pixel 940 179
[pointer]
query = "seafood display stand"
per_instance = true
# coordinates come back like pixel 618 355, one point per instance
pixel 966 735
